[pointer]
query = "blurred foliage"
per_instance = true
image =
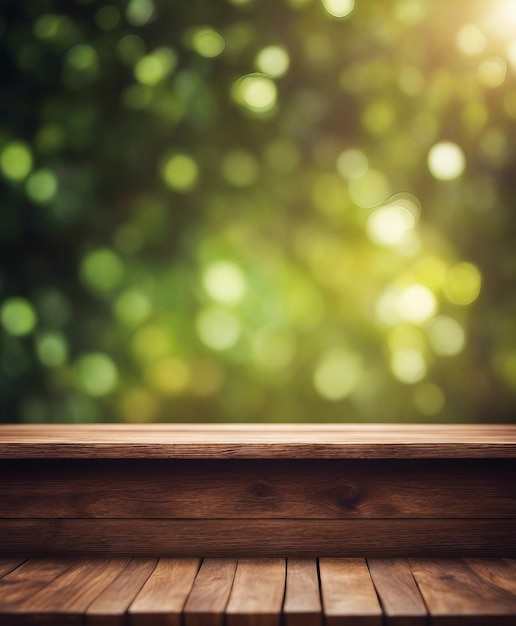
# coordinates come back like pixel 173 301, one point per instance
pixel 287 210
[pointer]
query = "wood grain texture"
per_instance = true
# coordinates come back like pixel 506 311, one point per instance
pixel 257 594
pixel 210 593
pixel 162 598
pixel 302 606
pixel 205 441
pixel 459 595
pixel 399 596
pixel 64 600
pixel 111 605
pixel 234 538
pixel 320 489
pixel 348 594
pixel 8 565
pixel 26 580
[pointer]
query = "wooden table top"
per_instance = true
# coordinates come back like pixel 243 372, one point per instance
pixel 258 441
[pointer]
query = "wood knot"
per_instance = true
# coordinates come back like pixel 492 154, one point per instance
pixel 348 496
pixel 261 489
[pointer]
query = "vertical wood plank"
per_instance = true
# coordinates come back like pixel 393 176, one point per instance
pixel 210 593
pixel 348 595
pixel 111 605
pixel 8 565
pixel 65 599
pixel 162 598
pixel 26 580
pixel 302 606
pixel 257 594
pixel 398 593
pixel 458 595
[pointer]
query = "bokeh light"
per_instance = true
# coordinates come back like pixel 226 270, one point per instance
pixel 283 212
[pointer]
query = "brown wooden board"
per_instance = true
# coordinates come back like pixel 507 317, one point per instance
pixel 232 538
pixel 397 591
pixel 161 600
pixel 205 441
pixel 210 593
pixel 8 565
pixel 64 599
pixel 458 594
pixel 320 489
pixel 111 605
pixel 25 581
pixel 348 594
pixel 302 606
pixel 257 594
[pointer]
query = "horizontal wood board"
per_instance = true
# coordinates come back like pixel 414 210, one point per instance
pixel 251 538
pixel 272 489
pixel 205 441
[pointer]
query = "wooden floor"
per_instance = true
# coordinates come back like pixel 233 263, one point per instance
pixel 258 592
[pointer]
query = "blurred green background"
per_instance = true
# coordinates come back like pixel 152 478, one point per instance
pixel 282 211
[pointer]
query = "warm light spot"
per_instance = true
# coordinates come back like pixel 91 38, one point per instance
pixel 417 304
pixel 52 349
pixel 169 376
pixel 42 186
pixel 16 161
pixel 352 164
pixel 208 42
pixel 492 72
pixel 501 19
pixel 370 190
pixel 388 225
pixel 240 168
pixel 337 374
pixel 217 328
pixel 102 270
pixel 272 60
pixel 18 316
pixel 471 40
pixel 180 173
pixel 224 281
pixel 132 307
pixel 138 405
pixel 446 336
pixel 429 399
pixel 256 92
pixel 338 8
pixel 408 365
pixel 446 161
pixel 151 342
pixel 463 284
pixel 96 374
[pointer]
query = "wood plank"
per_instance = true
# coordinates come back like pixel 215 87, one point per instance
pixel 234 538
pixel 64 600
pixel 458 595
pixel 25 581
pixel 204 441
pixel 8 565
pixel 111 605
pixel 348 595
pixel 210 593
pixel 162 598
pixel 325 489
pixel 398 593
pixel 257 594
pixel 302 606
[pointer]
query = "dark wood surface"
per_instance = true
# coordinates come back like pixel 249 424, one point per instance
pixel 204 489
pixel 358 592
pixel 205 441
pixel 233 538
